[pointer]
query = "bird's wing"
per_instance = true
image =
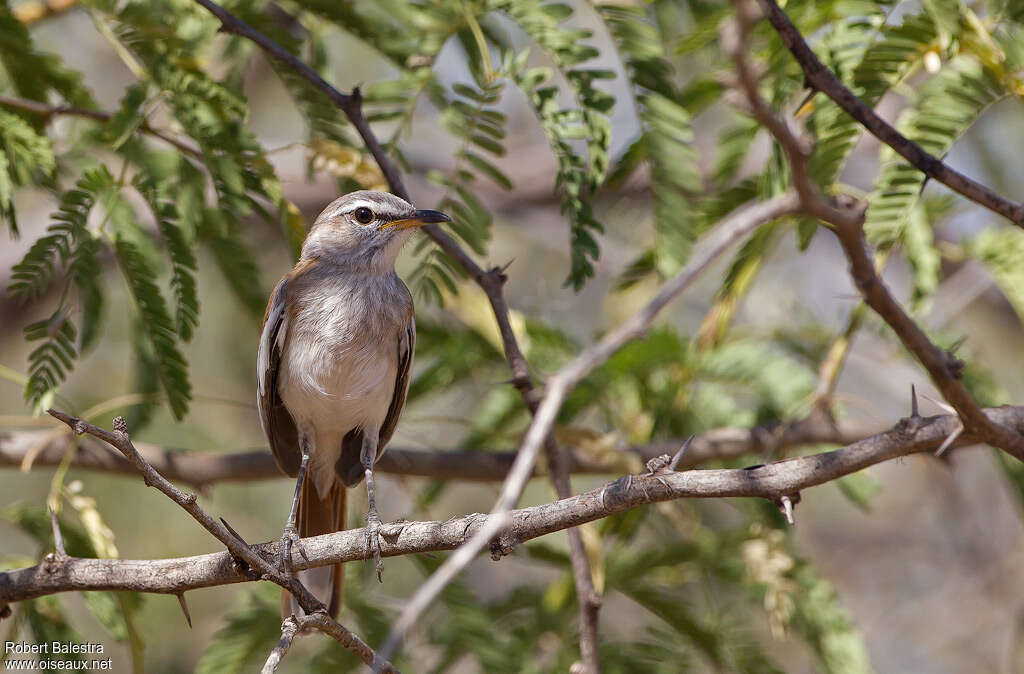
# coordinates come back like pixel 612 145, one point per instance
pixel 348 466
pixel 406 349
pixel 278 425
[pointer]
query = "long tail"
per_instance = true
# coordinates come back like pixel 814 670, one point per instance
pixel 319 516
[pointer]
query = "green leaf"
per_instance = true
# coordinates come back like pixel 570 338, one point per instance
pixel 948 104
pixel 26 157
pixel 248 635
pixel 235 259
pixel 157 325
pixel 183 262
pixel 1001 250
pixel 578 176
pixel 68 242
pixel 34 74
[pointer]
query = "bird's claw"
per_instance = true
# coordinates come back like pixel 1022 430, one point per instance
pixel 289 537
pixel 373 543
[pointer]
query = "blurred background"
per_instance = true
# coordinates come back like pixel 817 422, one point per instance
pixel 921 558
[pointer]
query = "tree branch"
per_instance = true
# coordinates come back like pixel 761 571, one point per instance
pixel 846 217
pixel 318 622
pixel 257 567
pixel 820 78
pixel 26 449
pixel 770 481
pixel 491 282
pixel 734 228
pixel 49 111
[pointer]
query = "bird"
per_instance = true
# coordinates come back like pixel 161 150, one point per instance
pixel 333 369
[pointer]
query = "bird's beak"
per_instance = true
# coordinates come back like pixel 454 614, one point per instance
pixel 418 219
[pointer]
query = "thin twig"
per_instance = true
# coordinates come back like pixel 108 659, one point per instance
pixel 847 221
pixel 822 79
pixel 289 630
pixel 490 281
pixel 733 229
pixel 49 111
pixel 121 440
pixel 770 481
pixel 201 469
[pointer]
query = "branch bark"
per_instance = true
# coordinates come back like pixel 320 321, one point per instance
pixel 256 567
pixel 733 229
pixel 911 435
pixel 490 281
pixel 200 470
pixel 49 111
pixel 846 217
pixel 820 78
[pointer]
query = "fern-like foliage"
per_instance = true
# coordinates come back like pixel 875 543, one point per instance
pixel 155 320
pixel 1001 249
pixel 51 361
pixel 183 261
pixel 473 118
pixel 578 176
pixel 665 137
pixel 26 157
pixel 948 104
pixel 249 631
pixel 32 73
pixel 68 247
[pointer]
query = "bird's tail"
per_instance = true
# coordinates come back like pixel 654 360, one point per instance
pixel 319 516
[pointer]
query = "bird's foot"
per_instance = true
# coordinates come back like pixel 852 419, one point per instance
pixel 373 543
pixel 289 537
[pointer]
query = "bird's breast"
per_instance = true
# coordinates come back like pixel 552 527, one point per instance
pixel 340 358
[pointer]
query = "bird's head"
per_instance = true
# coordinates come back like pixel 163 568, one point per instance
pixel 365 229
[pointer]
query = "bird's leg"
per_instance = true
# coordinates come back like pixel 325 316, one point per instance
pixel 291 534
pixel 368 456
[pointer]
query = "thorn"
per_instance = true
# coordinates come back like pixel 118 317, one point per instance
pixel 786 506
pixel 232 531
pixel 945 407
pixel 184 609
pixel 805 107
pixel 949 440
pixel 913 403
pixel 499 273
pixel 58 537
pixel 955 346
pixel 679 455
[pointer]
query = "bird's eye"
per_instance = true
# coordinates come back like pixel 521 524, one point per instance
pixel 364 215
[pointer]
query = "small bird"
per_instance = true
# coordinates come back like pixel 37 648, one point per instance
pixel 333 368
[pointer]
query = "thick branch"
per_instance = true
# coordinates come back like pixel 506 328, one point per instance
pixel 202 469
pixel 350 104
pixel 820 78
pixel 490 281
pixel 257 567
pixel 733 229
pixel 770 481
pixel 847 220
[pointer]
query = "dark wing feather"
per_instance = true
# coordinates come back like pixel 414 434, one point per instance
pixel 278 425
pixel 348 467
pixel 406 350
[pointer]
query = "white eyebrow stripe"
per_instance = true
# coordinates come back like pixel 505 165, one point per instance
pixel 379 209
